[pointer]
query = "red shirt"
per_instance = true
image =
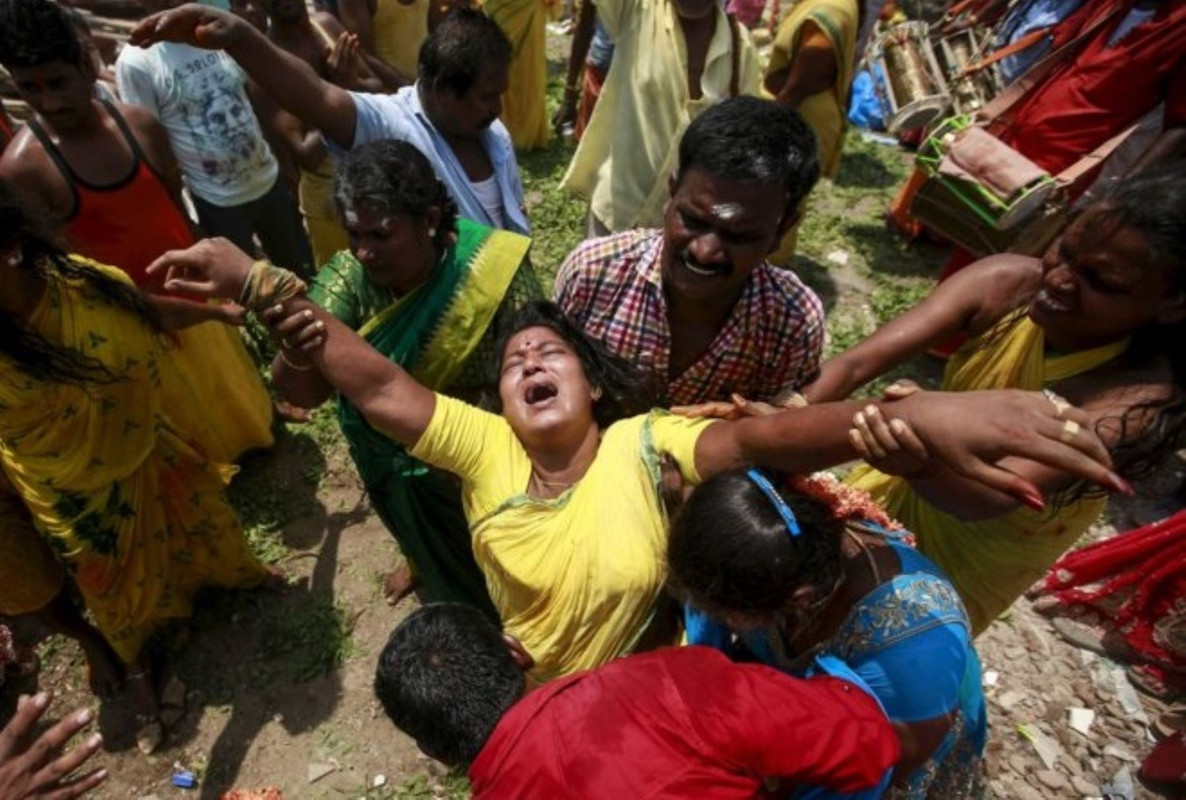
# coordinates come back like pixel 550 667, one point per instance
pixel 1106 87
pixel 684 722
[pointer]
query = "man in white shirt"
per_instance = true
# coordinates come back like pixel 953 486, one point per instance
pixel 450 114
pixel 201 99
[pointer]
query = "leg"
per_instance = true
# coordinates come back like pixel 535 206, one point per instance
pixel 231 223
pixel 63 617
pixel 278 224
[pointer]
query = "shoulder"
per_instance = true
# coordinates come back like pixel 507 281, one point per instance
pixel 608 255
pixel 24 155
pixel 786 296
pixel 138 58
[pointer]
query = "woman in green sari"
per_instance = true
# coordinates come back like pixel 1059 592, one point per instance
pixel 427 290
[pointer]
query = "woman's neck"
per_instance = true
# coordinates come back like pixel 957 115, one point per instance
pixel 555 470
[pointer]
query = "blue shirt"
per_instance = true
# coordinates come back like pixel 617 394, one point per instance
pixel 401 116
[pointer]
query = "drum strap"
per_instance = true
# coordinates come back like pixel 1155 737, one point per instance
pixel 1027 41
pixel 1015 91
pixel 1073 173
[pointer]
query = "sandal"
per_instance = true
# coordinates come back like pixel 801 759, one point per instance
pixel 1157 683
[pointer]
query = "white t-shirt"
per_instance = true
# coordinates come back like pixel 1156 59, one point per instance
pixel 491 199
pixel 200 97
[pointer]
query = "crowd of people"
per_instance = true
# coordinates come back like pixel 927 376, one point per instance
pixel 637 577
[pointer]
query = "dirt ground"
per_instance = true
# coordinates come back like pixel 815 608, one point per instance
pixel 277 683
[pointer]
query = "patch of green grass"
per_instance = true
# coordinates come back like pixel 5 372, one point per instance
pixel 891 300
pixel 302 639
pixel 453 786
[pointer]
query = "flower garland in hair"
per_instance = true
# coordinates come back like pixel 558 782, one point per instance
pixel 847 503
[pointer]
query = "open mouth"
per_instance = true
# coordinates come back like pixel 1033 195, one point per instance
pixel 540 393
pixel 705 270
pixel 1048 303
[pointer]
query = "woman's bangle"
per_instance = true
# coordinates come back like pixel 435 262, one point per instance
pixel 291 365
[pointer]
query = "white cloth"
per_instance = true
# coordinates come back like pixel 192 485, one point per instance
pixel 200 97
pixel 491 199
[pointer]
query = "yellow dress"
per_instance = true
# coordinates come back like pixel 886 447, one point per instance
pixel 398 30
pixel 524 105
pixel 824 111
pixel 137 516
pixel 316 194
pixel 992 562
pixel 575 578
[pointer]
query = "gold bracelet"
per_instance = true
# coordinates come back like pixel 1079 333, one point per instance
pixel 297 367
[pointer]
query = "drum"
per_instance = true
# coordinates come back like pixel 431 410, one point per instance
pixel 909 80
pixel 1001 191
pixel 969 92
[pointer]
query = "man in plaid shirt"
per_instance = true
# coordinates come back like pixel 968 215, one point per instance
pixel 697 303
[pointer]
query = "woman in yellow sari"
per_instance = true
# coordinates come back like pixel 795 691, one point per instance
pixel 524 104
pixel 810 70
pixel 1099 321
pixel 562 487
pixel 86 441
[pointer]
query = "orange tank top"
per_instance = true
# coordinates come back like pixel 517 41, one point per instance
pixel 126 224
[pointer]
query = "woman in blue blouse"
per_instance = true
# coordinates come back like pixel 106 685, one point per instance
pixel 783 575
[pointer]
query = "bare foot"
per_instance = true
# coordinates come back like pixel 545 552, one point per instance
pixel 150 732
pixel 398 584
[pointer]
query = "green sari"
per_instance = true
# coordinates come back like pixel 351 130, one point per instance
pixel 443 333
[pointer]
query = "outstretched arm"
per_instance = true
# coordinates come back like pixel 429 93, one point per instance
pixel 391 399
pixel 1007 423
pixel 968 301
pixel 287 80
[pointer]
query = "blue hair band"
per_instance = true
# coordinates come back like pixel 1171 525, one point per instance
pixel 780 505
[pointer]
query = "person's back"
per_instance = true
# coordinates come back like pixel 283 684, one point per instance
pixel 679 723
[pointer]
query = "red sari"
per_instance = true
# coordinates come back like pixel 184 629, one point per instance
pixel 1134 586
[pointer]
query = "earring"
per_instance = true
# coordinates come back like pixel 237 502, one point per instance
pixel 596 394
pixel 15 258
pixel 432 232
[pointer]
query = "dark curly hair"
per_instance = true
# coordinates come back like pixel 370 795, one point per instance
pixel 36 32
pixel 465 43
pixel 625 391
pixel 730 551
pixel 41 253
pixel 393 177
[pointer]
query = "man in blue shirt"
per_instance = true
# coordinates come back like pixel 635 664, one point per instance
pixel 450 114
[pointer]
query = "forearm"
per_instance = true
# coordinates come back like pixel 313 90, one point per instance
pixel 963 499
pixel 839 377
pixel 582 37
pixel 390 399
pixel 387 77
pixel 177 314
pixel 814 70
pixel 293 85
pixel 305 387
pixel 797 440
pixel 123 9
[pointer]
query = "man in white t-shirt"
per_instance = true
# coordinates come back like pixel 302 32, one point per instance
pixel 200 97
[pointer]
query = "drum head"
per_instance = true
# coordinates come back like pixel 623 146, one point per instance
pixel 1027 205
pixel 919 114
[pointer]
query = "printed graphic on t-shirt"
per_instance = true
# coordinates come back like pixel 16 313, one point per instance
pixel 213 105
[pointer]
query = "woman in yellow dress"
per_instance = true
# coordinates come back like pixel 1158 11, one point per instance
pixel 86 440
pixel 561 488
pixel 524 104
pixel 1100 321
pixel 810 70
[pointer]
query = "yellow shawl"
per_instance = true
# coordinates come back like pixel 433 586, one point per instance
pixel 992 562
pixel 137 516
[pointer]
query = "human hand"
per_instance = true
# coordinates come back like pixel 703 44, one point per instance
pixel 230 313
pixel 344 61
pixel 736 407
pixel 295 330
pixel 566 115
pixel 211 268
pixel 970 432
pixel 890 446
pixel 36 769
pixel 192 24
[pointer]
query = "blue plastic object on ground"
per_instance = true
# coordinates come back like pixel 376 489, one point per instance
pixel 184 780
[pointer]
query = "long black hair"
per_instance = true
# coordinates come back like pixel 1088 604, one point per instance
pixel 1152 204
pixel 42 255
pixel 625 390
pixel 730 550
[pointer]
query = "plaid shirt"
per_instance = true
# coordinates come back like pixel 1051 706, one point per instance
pixel 771 341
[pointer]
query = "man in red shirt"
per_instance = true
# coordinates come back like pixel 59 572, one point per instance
pixel 677 722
